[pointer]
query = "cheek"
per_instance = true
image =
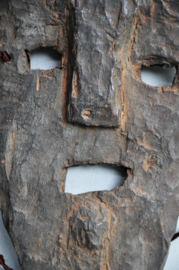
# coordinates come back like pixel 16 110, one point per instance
pixel 160 118
pixel 147 108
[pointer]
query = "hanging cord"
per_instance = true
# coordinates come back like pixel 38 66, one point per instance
pixel 2 262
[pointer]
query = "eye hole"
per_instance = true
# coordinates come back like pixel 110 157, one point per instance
pixel 86 178
pixel 158 75
pixel 7 249
pixel 45 59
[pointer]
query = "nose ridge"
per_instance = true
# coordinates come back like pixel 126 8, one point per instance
pixel 95 98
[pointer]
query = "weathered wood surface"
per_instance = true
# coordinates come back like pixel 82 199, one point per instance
pixel 93 110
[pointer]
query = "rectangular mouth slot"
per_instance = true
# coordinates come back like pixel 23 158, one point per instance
pixel 87 178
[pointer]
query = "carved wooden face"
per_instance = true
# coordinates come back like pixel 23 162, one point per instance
pixel 95 109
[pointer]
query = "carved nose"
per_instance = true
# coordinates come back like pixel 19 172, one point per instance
pixel 95 98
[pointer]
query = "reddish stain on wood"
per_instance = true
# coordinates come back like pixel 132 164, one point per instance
pixel 4 57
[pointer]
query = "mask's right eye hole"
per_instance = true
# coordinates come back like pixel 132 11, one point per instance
pixel 158 76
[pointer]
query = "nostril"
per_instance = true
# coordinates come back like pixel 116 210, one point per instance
pixel 158 75
pixel 86 178
pixel 45 59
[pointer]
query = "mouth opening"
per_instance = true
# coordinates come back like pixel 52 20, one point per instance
pixel 88 178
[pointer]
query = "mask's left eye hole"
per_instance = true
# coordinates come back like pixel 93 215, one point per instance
pixel 45 59
pixel 86 178
pixel 158 76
